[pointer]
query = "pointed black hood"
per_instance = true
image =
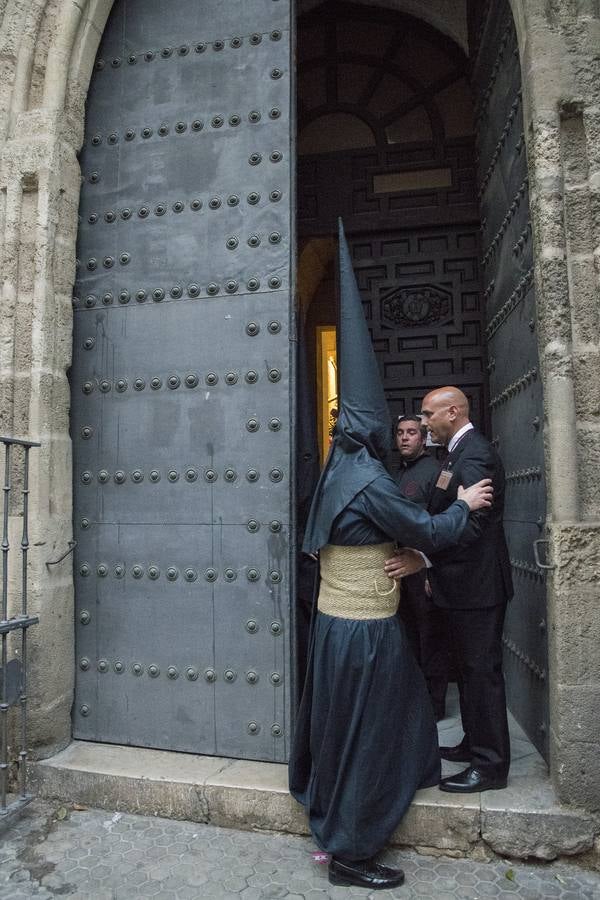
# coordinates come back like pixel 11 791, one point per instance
pixel 362 436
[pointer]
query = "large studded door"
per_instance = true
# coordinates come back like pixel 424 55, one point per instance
pixel 515 384
pixel 181 381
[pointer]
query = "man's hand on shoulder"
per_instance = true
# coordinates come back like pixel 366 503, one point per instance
pixel 478 496
pixel 405 562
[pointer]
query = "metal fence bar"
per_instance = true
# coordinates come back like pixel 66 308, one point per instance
pixel 23 684
pixel 4 706
pixel 21 621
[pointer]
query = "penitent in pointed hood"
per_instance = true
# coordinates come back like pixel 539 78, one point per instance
pixel 362 436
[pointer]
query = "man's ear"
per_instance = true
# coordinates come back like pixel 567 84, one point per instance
pixel 453 412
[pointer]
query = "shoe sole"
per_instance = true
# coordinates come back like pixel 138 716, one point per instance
pixel 346 882
pixel 490 787
pixel 457 759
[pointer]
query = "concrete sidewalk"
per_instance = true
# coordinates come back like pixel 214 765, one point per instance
pixel 102 855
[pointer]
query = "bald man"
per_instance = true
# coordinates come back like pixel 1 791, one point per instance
pixel 472 584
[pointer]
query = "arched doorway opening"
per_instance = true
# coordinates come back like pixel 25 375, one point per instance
pixel 420 149
pixel 386 140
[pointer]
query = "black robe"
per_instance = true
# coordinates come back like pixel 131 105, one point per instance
pixel 365 736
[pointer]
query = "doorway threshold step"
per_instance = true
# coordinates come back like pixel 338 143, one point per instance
pixel 525 820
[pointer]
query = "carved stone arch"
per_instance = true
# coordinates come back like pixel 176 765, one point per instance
pixel 24 33
pixel 520 16
pixel 53 46
pixel 72 52
pixel 80 26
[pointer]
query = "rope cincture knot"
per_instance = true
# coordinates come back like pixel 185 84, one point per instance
pixel 390 590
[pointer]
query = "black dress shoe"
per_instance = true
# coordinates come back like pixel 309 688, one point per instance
pixel 364 873
pixel 460 753
pixel 470 781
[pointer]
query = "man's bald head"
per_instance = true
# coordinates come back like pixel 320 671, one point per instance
pixel 444 411
pixel 449 396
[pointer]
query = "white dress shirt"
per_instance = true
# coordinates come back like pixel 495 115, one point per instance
pixel 455 439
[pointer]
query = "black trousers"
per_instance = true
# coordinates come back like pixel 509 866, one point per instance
pixel 426 632
pixel 476 640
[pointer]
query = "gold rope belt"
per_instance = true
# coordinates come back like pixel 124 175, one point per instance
pixel 353 583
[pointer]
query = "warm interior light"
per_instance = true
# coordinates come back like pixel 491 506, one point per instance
pixel 327 387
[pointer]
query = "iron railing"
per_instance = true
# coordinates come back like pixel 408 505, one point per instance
pixel 13 673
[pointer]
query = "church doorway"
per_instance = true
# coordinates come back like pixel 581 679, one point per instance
pixel 185 386
pixel 419 148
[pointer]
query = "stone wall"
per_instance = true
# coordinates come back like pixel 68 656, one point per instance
pixel 41 127
pixel 559 41
pixel 47 49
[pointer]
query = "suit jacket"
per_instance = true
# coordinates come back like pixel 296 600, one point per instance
pixel 416 478
pixel 476 574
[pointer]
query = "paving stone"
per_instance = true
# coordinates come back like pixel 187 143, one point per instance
pixel 137 878
pixel 424 874
pixel 20 875
pixel 158 872
pixel 298 885
pixel 251 893
pixel 466 878
pixel 274 892
pixel 488 889
pixel 54 882
pixel 95 856
pixel 234 884
pixel 187 893
pixel 197 880
pixel 78 852
pixel 128 890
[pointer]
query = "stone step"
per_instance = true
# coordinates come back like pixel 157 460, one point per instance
pixel 524 820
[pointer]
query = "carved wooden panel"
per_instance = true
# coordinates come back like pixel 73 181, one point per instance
pixel 342 184
pixel 422 295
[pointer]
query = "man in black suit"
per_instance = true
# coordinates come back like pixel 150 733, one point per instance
pixel 423 620
pixel 472 584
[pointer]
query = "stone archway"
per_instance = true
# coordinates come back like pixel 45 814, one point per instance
pixel 48 53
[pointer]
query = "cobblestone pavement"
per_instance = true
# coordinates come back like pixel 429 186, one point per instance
pixel 88 853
